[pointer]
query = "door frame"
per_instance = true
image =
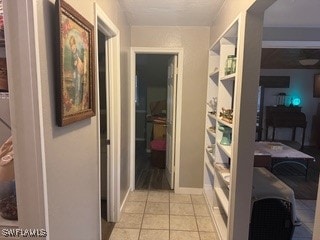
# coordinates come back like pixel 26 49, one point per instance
pixel 106 26
pixel 26 126
pixel 176 147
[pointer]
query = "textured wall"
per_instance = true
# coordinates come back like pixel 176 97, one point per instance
pixel 195 43
pixel 72 151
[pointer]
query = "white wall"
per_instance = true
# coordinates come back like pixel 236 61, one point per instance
pixel 301 85
pixel 195 43
pixel 72 151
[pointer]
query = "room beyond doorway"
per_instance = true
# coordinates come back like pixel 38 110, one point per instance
pixel 169 123
pixel 151 101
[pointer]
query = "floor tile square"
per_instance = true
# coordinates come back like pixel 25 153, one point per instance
pixel 311 204
pixel 181 209
pixel 124 234
pixel 309 226
pixel 208 236
pixel 198 199
pixel 151 221
pixel 205 224
pixel 138 196
pixel 134 207
pixel 158 196
pixel 129 220
pixel 300 205
pixel 184 223
pixel 157 208
pixel 306 216
pixel 301 231
pixel 180 198
pixel 201 210
pixel 184 235
pixel 147 234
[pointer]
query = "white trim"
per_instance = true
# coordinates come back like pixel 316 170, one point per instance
pixel 125 200
pixel 149 50
pixel 182 190
pixel 105 25
pixel 290 44
pixel 26 112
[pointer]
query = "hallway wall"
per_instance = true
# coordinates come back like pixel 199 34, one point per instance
pixel 72 151
pixel 195 44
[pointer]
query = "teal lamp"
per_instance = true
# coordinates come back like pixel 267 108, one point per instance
pixel 296 102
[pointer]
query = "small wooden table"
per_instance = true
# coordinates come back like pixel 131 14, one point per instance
pixel 272 154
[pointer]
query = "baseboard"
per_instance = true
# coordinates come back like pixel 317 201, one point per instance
pixel 196 191
pixel 125 199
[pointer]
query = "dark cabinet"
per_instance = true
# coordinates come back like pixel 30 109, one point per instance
pixel 285 117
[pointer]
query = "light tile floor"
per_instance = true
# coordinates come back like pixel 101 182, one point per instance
pixel 164 215
pixel 306 212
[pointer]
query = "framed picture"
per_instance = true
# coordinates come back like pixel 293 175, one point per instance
pixel 75 98
pixel 316 86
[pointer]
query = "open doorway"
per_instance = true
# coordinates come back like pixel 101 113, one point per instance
pixel 155 118
pixel 288 68
pixel 151 120
pixel 108 120
pixel 104 131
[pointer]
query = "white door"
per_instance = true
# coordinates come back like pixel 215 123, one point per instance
pixel 171 113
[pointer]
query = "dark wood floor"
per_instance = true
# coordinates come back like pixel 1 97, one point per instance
pixel 106 227
pixel 148 176
pixel 293 176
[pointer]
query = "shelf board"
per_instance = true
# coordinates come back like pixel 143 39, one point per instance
pixel 213 117
pixel 225 149
pixel 210 167
pixel 223 172
pixel 211 156
pixel 214 75
pixel 211 133
pixel 8 223
pixel 222 199
pixel 216 48
pixel 220 224
pixel 230 77
pixel 230 125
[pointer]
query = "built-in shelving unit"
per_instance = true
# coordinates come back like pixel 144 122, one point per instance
pixel 222 78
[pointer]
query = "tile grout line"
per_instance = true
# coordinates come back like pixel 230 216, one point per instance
pixel 195 216
pixel 144 210
pixel 169 215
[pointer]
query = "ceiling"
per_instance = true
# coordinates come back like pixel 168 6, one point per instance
pixel 280 58
pixel 283 13
pixel 171 12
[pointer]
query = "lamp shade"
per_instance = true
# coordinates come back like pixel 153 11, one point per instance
pixel 308 62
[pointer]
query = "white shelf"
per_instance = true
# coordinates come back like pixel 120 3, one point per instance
pixel 8 223
pixel 230 77
pixel 213 117
pixel 210 167
pixel 214 75
pixel 230 125
pixel 211 155
pixel 225 149
pixel 211 133
pixel 222 199
pixel 220 224
pixel 221 87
